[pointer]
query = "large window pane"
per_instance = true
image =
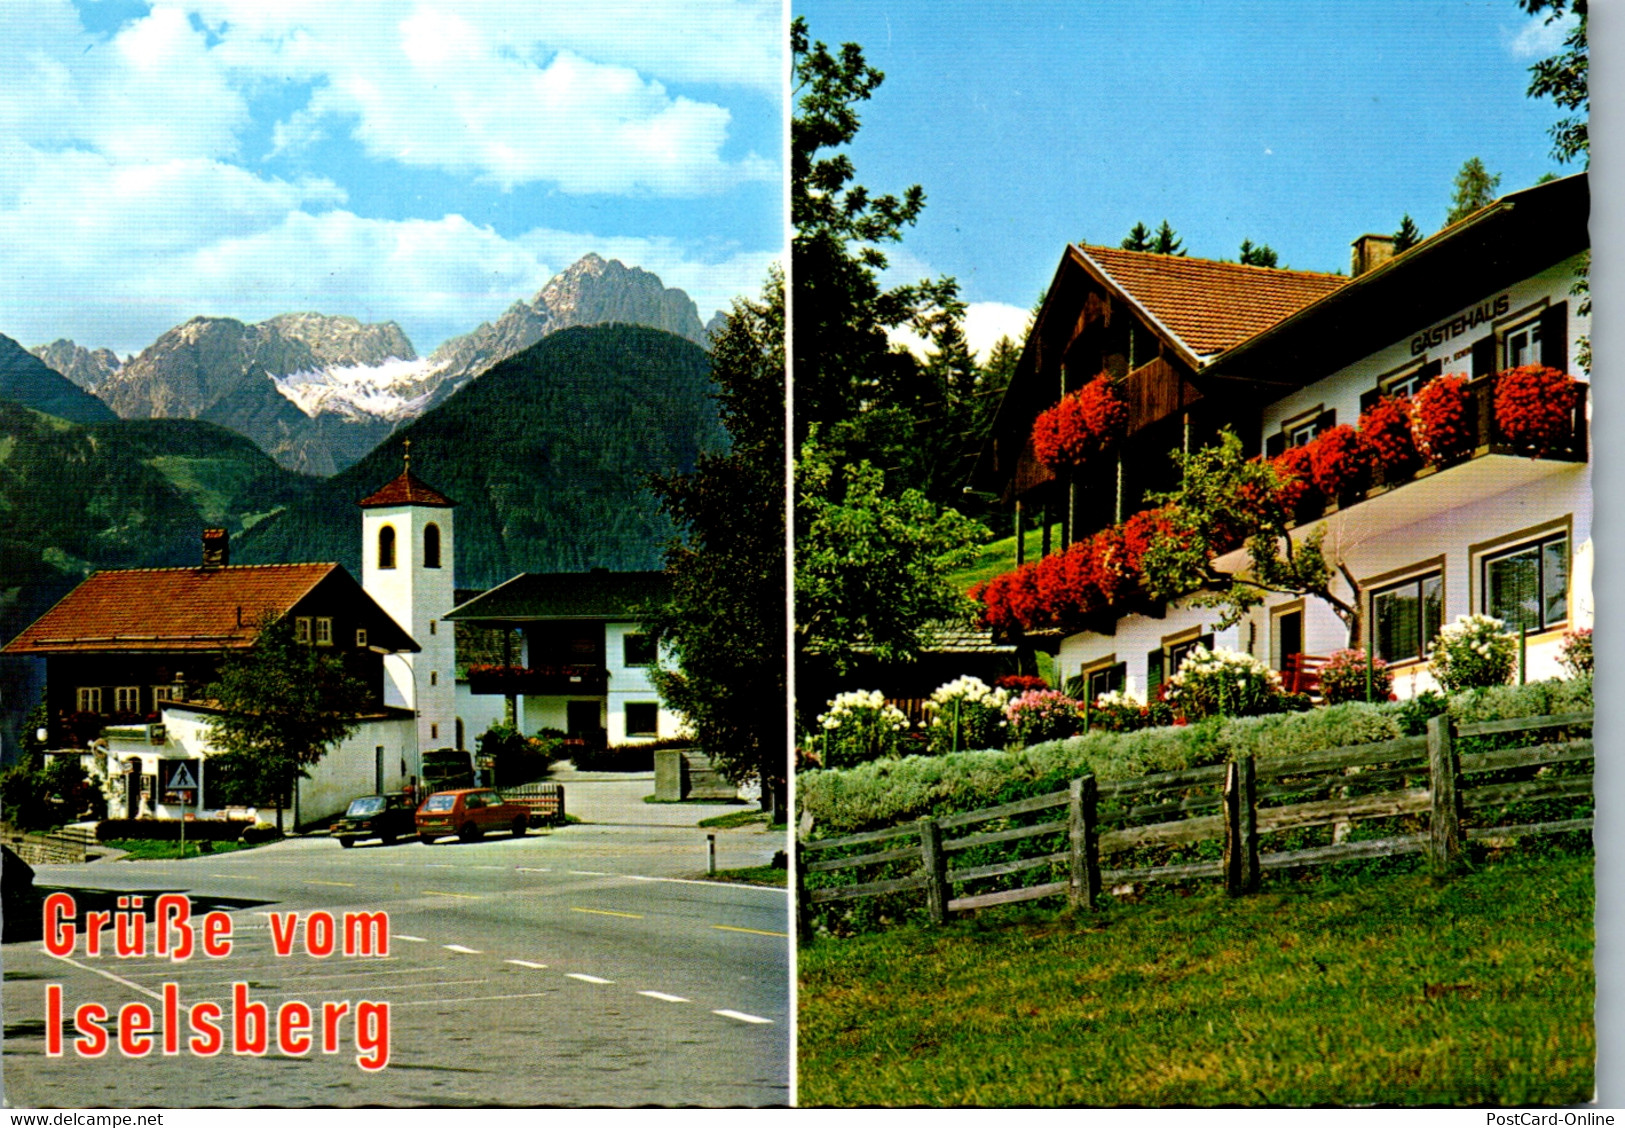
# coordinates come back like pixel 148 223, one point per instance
pixel 1398 623
pixel 1432 611
pixel 1512 589
pixel 1555 580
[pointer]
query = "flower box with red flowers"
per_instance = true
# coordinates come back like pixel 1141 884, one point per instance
pixel 1081 427
pixel 1534 409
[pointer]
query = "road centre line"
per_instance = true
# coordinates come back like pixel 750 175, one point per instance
pixel 443 893
pixel 460 948
pixel 586 978
pixel 709 884
pixel 256 993
pixel 530 869
pixel 408 939
pixel 591 873
pixel 743 1017
pixel 665 998
pixel 345 884
pixel 528 963
pixel 605 912
pixel 752 931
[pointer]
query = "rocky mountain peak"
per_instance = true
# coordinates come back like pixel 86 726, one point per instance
pixel 89 368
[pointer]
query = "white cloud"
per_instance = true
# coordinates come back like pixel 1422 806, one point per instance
pixel 986 322
pixel 1538 39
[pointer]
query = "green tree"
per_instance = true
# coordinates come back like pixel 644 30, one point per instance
pixel 1139 238
pixel 283 704
pixel 1166 242
pixel 1474 188
pixel 1407 236
pixel 724 624
pixel 845 364
pixel 1204 522
pixel 871 569
pixel 1260 255
pixel 1565 78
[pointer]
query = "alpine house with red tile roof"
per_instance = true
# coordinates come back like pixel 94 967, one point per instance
pixel 1194 347
pixel 128 655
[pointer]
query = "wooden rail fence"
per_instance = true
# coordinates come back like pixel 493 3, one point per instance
pixel 1237 804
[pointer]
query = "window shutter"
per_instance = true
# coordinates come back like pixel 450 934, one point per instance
pixel 1369 399
pixel 1206 643
pixel 1275 444
pixel 1554 337
pixel 1327 420
pixel 1431 369
pixel 1153 673
pixel 1484 356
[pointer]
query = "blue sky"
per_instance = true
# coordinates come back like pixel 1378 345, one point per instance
pixel 1297 123
pixel 422 161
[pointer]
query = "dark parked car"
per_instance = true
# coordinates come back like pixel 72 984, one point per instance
pixel 384 817
pixel 468 814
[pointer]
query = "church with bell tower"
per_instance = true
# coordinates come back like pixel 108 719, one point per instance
pixel 407 566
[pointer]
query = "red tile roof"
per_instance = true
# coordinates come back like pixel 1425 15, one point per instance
pixel 408 489
pixel 165 609
pixel 1211 306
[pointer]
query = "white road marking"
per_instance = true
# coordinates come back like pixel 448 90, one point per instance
pixel 591 873
pixel 527 963
pixel 743 1017
pixel 460 948
pixel 369 990
pixel 664 997
pixel 586 978
pixel 110 975
pixel 528 869
pixel 408 939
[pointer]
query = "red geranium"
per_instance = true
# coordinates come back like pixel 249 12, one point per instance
pixel 1439 420
pixel 1082 426
pixel 1295 486
pixel 1116 569
pixel 1386 426
pixel 1534 407
pixel 1020 683
pixel 1339 461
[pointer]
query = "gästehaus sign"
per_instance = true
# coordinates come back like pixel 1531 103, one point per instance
pixel 1456 326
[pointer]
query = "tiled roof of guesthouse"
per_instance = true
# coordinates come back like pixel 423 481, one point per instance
pixel 165 609
pixel 1210 306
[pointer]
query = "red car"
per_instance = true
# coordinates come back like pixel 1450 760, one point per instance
pixel 468 814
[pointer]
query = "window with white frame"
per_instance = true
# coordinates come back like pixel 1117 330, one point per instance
pixel 161 694
pixel 1527 587
pixel 301 629
pixel 642 719
pixel 127 698
pixel 324 631
pixel 1105 679
pixel 1521 344
pixel 360 637
pixel 88 699
pixel 1406 616
pixel 1407 384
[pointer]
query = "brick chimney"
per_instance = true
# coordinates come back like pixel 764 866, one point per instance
pixel 1370 251
pixel 216 549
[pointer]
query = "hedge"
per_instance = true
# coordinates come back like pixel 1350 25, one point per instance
pixel 167 830
pixel 887 792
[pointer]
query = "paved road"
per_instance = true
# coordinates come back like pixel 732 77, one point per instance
pixel 581 967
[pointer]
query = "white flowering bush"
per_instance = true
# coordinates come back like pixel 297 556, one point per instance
pixel 1222 683
pixel 967 713
pixel 1043 714
pixel 1473 652
pixel 859 726
pixel 1122 711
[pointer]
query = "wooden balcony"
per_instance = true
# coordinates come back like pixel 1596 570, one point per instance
pixel 505 681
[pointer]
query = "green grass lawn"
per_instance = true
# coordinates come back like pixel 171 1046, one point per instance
pixel 148 849
pixel 741 818
pixel 754 875
pixel 1390 990
pixel 1000 556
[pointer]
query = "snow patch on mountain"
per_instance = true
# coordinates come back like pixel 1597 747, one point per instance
pixel 393 390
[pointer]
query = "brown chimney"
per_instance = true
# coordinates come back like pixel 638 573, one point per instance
pixel 216 549
pixel 1371 251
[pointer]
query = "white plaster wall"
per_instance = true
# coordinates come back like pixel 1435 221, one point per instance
pixel 1342 390
pixel 1137 636
pixel 478 712
pixel 344 773
pixel 417 598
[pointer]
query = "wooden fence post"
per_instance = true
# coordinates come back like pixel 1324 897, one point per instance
pixel 1241 873
pixel 1234 851
pixel 1445 848
pixel 1084 833
pixel 1250 874
pixel 936 870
